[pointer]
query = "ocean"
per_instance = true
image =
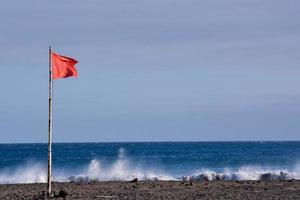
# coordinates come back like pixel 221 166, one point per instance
pixel 27 163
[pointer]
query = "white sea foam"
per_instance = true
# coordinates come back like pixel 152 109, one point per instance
pixel 246 173
pixel 122 169
pixel 125 169
pixel 28 173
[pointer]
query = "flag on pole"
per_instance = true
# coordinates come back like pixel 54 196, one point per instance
pixel 59 67
pixel 62 66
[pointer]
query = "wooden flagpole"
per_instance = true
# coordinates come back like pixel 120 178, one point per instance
pixel 49 178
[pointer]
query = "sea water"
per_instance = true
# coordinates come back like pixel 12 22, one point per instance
pixel 27 163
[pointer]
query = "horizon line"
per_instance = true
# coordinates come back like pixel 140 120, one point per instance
pixel 162 141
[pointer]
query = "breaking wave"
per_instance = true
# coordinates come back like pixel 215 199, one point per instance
pixel 29 173
pixel 123 169
pixel 244 173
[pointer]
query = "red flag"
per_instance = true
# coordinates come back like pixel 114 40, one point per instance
pixel 62 66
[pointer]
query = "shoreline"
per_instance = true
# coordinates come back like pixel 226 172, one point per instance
pixel 275 189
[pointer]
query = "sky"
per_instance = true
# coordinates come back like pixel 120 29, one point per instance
pixel 167 70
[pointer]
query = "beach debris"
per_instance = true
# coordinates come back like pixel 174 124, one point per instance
pixel 217 177
pixel 134 180
pixel 62 193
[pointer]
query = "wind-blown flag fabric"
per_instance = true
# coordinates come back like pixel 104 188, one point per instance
pixel 62 66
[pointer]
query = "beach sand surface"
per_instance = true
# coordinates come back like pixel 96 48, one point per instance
pixel 289 189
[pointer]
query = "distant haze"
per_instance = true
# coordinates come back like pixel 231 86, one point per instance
pixel 152 70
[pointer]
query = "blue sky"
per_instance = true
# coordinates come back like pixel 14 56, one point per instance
pixel 152 70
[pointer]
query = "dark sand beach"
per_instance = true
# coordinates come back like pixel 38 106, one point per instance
pixel 289 189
